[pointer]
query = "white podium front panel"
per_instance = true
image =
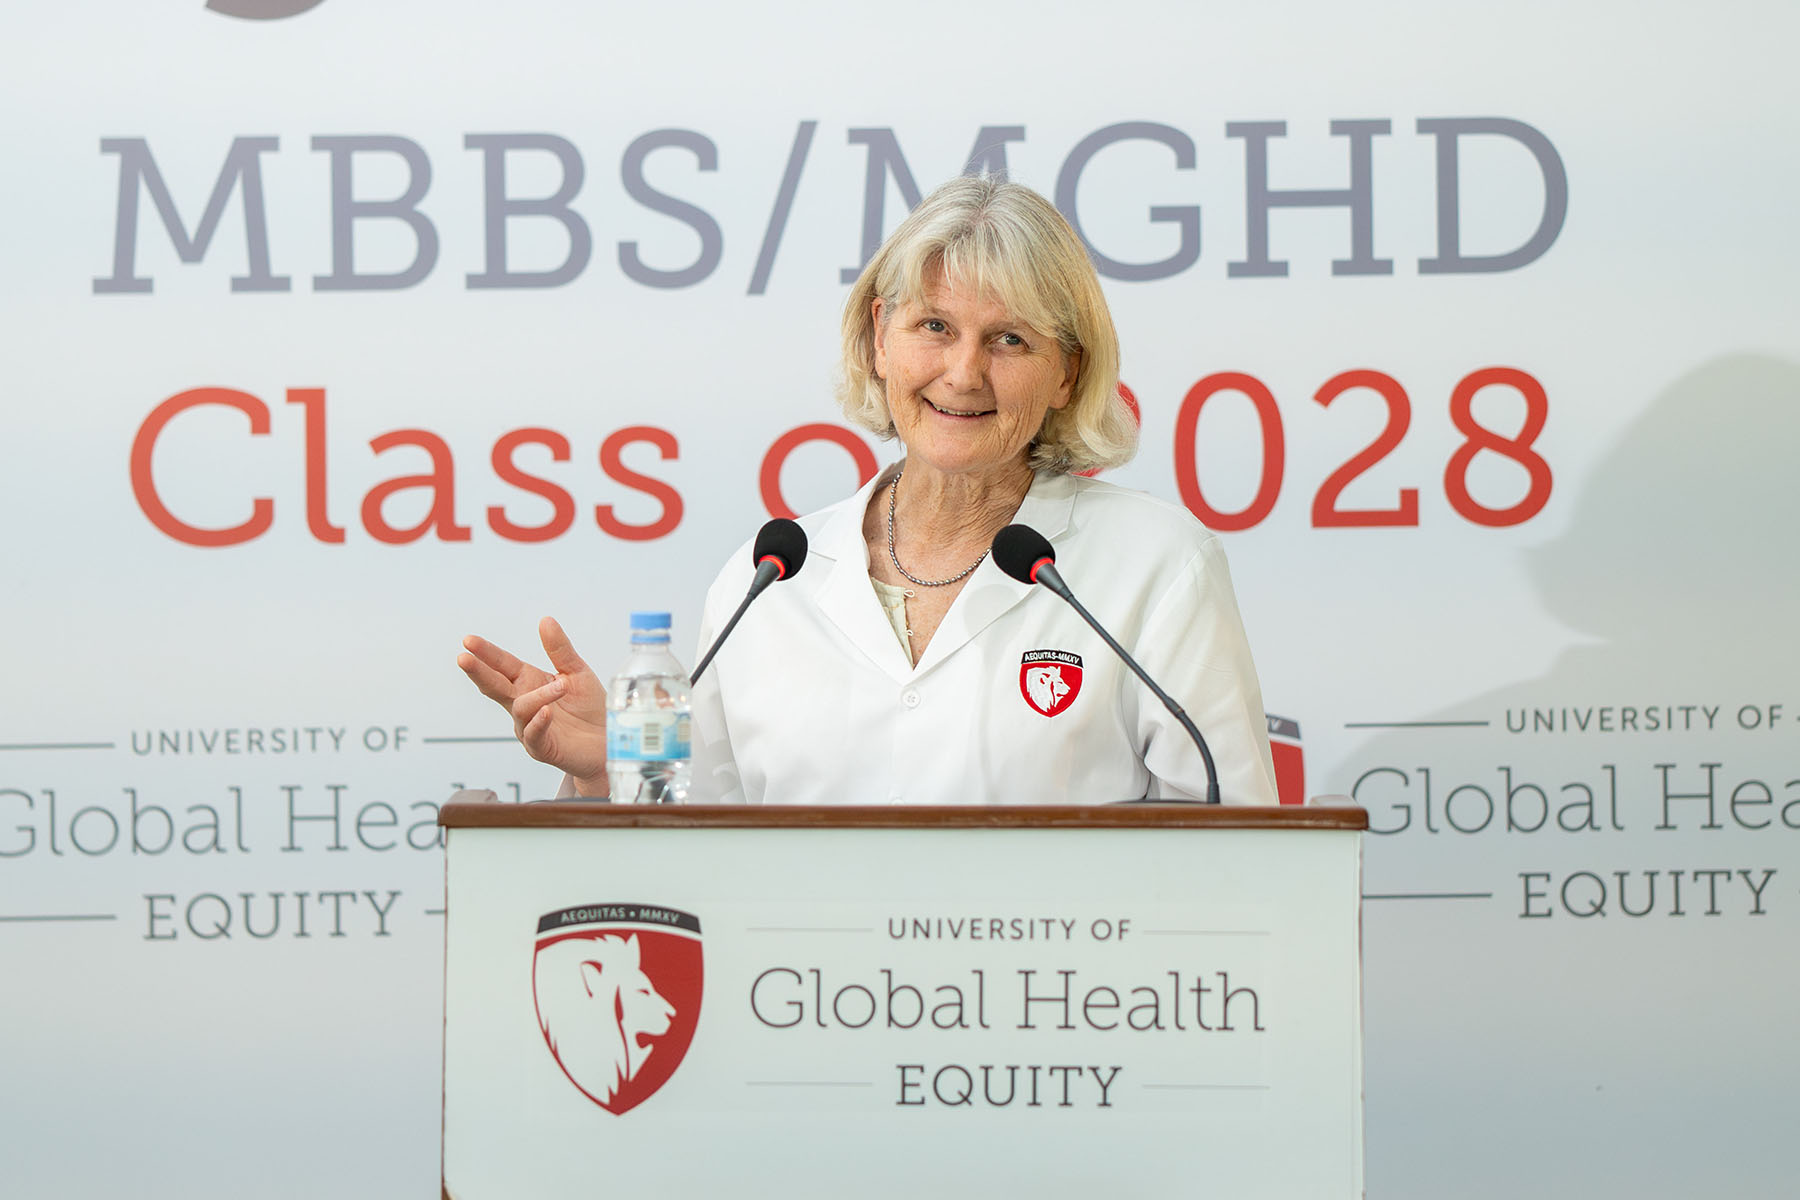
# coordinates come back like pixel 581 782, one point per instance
pixel 845 1012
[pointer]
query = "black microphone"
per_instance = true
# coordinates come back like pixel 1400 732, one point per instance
pixel 1027 556
pixel 779 553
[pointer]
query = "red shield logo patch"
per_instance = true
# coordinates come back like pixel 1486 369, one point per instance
pixel 1290 767
pixel 1050 680
pixel 617 989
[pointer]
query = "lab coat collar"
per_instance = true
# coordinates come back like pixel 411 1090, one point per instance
pixel 848 600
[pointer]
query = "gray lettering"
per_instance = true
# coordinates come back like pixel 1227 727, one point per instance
pixel 242 166
pixel 784 204
pixel 1186 218
pixel 346 209
pixel 1450 259
pixel 500 207
pixel 712 241
pixel 1259 198
pixel 987 155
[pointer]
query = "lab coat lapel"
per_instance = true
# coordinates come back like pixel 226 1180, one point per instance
pixel 991 593
pixel 846 597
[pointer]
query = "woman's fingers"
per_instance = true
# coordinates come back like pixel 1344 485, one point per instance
pixel 500 675
pixel 555 717
pixel 559 648
pixel 495 657
pixel 534 733
pixel 487 680
pixel 528 705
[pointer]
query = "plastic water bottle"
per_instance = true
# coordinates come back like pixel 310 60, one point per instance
pixel 649 745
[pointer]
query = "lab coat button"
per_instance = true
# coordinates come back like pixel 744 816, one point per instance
pixel 911 698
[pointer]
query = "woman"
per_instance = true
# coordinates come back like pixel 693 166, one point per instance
pixel 902 666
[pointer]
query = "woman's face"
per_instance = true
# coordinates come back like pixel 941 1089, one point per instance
pixel 968 384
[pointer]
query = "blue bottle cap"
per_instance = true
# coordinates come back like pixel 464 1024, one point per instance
pixel 649 620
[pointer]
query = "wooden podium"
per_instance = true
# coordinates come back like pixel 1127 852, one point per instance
pixel 858 1002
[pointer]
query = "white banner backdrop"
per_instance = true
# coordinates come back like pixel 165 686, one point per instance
pixel 264 269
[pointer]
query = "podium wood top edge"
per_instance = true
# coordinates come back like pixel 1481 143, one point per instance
pixel 588 814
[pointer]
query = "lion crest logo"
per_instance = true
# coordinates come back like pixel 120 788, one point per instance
pixel 617 989
pixel 1050 680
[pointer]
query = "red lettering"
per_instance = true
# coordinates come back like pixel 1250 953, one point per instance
pixel 1274 456
pixel 441 481
pixel 143 482
pixel 1519 449
pixel 317 520
pixel 770 475
pixel 613 464
pixel 1325 511
pixel 562 505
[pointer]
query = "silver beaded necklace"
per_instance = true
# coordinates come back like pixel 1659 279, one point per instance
pixel 893 501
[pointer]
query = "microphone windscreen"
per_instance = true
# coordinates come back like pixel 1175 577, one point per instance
pixel 784 540
pixel 1018 549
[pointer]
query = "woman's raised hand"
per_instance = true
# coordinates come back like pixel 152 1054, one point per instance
pixel 559 718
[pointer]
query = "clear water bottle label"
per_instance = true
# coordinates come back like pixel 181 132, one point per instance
pixel 646 735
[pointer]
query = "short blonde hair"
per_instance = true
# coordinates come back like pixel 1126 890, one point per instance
pixel 1003 239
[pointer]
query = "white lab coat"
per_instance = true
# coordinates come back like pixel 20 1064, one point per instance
pixel 812 700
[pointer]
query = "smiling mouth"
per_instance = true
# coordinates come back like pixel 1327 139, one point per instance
pixel 952 412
